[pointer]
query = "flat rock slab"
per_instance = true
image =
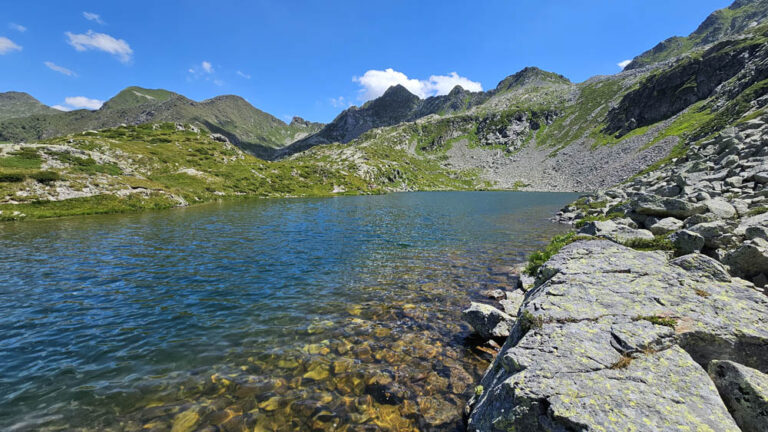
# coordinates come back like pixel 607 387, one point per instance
pixel 615 339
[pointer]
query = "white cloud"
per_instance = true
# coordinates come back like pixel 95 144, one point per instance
pixel 17 27
pixel 207 68
pixel 60 69
pixel 375 82
pixel 243 75
pixel 83 102
pixel 7 45
pixel 218 82
pixel 340 102
pixel 90 16
pixel 101 42
pixel 443 84
pixel 624 64
pixel 79 102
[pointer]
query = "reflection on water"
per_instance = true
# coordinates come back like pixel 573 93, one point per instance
pixel 312 314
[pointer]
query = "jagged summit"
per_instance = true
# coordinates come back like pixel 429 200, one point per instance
pixel 531 76
pixel 457 90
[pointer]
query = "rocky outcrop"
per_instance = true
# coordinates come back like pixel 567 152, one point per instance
pixel 615 339
pixel 745 392
pixel 668 92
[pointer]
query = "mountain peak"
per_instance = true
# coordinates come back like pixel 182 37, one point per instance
pixel 737 18
pixel 457 90
pixel 135 96
pixel 20 104
pixel 398 91
pixel 531 76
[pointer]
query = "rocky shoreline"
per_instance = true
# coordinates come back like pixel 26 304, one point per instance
pixel 655 316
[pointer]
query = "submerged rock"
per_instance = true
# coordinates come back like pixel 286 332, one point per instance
pixel 487 321
pixel 616 339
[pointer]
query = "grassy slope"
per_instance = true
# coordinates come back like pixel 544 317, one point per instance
pixel 254 129
pixel 160 167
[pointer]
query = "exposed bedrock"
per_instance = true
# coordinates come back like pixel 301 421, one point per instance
pixel 612 338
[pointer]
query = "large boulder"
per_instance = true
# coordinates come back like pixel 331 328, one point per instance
pixel 720 208
pixel 686 242
pixel 616 339
pixel 666 226
pixel 745 392
pixel 653 205
pixel 487 321
pixel 748 260
pixel 613 231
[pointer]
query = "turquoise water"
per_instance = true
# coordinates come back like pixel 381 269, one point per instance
pixel 297 314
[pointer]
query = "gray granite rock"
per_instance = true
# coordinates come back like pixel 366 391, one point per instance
pixel 614 339
pixel 487 321
pixel 745 392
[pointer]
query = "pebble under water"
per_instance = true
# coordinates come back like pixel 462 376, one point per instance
pixel 264 315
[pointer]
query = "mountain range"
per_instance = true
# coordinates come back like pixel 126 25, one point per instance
pixel 536 130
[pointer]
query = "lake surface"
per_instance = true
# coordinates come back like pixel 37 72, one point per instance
pixel 297 314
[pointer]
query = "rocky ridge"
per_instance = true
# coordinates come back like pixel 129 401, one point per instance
pixel 671 336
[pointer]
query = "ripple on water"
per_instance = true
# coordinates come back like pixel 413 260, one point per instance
pixel 330 314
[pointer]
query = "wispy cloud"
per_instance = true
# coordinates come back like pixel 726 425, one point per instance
pixel 7 46
pixel 340 102
pixel 101 42
pixel 375 82
pixel 90 16
pixel 204 71
pixel 624 64
pixel 60 69
pixel 243 75
pixel 79 102
pixel 17 27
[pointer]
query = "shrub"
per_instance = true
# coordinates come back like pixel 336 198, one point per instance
pixel 657 243
pixel 46 176
pixel 538 258
pixel 11 177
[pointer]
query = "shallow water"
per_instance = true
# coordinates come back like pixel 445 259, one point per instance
pixel 296 314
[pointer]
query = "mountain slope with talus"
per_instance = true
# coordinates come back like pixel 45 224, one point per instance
pixel 535 131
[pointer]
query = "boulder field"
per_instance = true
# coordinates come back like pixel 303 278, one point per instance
pixel 657 318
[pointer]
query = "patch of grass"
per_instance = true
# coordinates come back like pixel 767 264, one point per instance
pixel 597 218
pixel 658 320
pixel 46 177
pixel 529 321
pixel 538 258
pixel 12 177
pixel 757 211
pixel 88 165
pixel 25 158
pixel 519 185
pixel 99 204
pixel 622 363
pixel 661 243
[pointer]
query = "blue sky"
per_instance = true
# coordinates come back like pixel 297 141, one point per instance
pixel 312 58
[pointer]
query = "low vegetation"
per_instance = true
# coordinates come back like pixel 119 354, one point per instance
pixel 159 166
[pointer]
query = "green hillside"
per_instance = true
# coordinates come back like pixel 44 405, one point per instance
pixel 18 104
